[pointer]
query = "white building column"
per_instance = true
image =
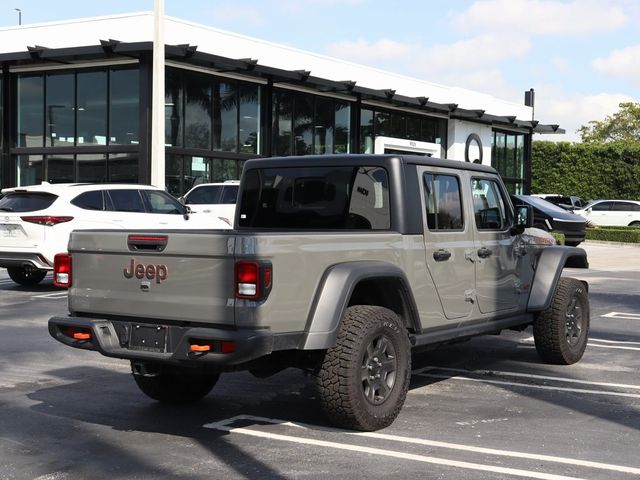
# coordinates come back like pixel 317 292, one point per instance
pixel 157 99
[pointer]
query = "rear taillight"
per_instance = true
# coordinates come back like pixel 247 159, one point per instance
pixel 46 220
pixel 62 270
pixel 253 280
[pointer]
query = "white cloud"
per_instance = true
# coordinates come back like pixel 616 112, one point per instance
pixel 248 15
pixel 541 17
pixel 624 63
pixel 572 110
pixel 561 64
pixel 468 63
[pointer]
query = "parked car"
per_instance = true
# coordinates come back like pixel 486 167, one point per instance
pixel 568 202
pixel 35 221
pixel 216 199
pixel 553 218
pixel 612 212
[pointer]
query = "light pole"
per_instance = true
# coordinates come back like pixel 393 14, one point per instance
pixel 19 15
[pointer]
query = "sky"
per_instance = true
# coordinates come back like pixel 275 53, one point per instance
pixel 582 57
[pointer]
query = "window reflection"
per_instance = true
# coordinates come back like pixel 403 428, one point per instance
pixel 91 108
pixel 59 168
pixel 123 168
pixel 124 105
pixel 30 111
pixel 60 110
pixel 249 132
pixel 225 116
pixel 29 170
pixel 173 108
pixel 91 168
pixel 197 111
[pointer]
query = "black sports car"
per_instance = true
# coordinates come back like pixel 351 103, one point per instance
pixel 553 218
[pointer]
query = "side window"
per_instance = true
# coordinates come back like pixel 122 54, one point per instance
pixel 205 195
pixel 89 200
pixel 488 205
pixel 160 202
pixel 229 194
pixel 126 201
pixel 444 204
pixel 602 206
pixel 623 206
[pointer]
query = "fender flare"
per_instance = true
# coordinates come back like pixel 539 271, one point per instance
pixel 333 294
pixel 548 270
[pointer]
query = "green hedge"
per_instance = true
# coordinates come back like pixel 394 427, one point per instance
pixel 589 170
pixel 559 237
pixel 614 234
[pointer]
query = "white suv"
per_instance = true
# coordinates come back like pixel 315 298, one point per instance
pixel 612 212
pixel 215 199
pixel 35 221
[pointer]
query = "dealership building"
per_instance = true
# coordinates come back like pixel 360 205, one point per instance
pixel 77 105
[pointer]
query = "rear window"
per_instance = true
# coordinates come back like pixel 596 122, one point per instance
pixel 26 202
pixel 316 198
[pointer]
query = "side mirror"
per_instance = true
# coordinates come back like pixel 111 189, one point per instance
pixel 187 212
pixel 523 219
pixel 182 200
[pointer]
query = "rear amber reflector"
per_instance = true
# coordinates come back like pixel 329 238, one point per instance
pixel 200 348
pixel 81 336
pixel 77 333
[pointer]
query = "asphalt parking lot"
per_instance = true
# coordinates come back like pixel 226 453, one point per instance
pixel 484 409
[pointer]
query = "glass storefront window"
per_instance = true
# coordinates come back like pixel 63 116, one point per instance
pixel 323 126
pixel 60 169
pixel 225 116
pixel 30 111
pixel 366 131
pixel 342 140
pixel 303 125
pixel 398 125
pixel 60 110
pixel 383 124
pixel 173 109
pixel 29 170
pixel 123 167
pixel 197 115
pixel 91 108
pixel 507 156
pixel 249 119
pixel 124 104
pixel 91 168
pixel 282 122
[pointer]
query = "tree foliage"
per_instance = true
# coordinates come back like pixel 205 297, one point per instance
pixel 589 170
pixel 622 126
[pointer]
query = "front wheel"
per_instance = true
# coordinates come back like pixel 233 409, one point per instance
pixel 27 276
pixel 174 386
pixel 363 380
pixel 561 332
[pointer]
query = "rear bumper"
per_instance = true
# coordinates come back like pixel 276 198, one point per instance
pixel 114 339
pixel 20 259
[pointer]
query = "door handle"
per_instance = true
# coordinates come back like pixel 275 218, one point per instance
pixel 484 252
pixel 441 255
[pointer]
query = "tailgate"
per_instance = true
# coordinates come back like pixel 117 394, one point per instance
pixel 190 279
pixel 15 232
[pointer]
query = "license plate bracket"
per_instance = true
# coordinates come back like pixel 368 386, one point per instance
pixel 150 338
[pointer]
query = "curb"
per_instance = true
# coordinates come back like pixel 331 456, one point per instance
pixel 617 244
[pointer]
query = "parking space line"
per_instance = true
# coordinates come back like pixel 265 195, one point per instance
pixel 528 375
pixel 614 341
pixel 53 295
pixel 615 347
pixel 225 425
pixel 622 315
pixel 528 385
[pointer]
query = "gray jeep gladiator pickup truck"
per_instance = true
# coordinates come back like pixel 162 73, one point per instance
pixel 339 265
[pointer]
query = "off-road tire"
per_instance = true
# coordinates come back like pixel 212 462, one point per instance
pixel 26 276
pixel 372 341
pixel 561 332
pixel 175 387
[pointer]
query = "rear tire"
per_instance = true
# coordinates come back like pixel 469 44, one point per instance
pixel 176 386
pixel 561 332
pixel 363 380
pixel 26 276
